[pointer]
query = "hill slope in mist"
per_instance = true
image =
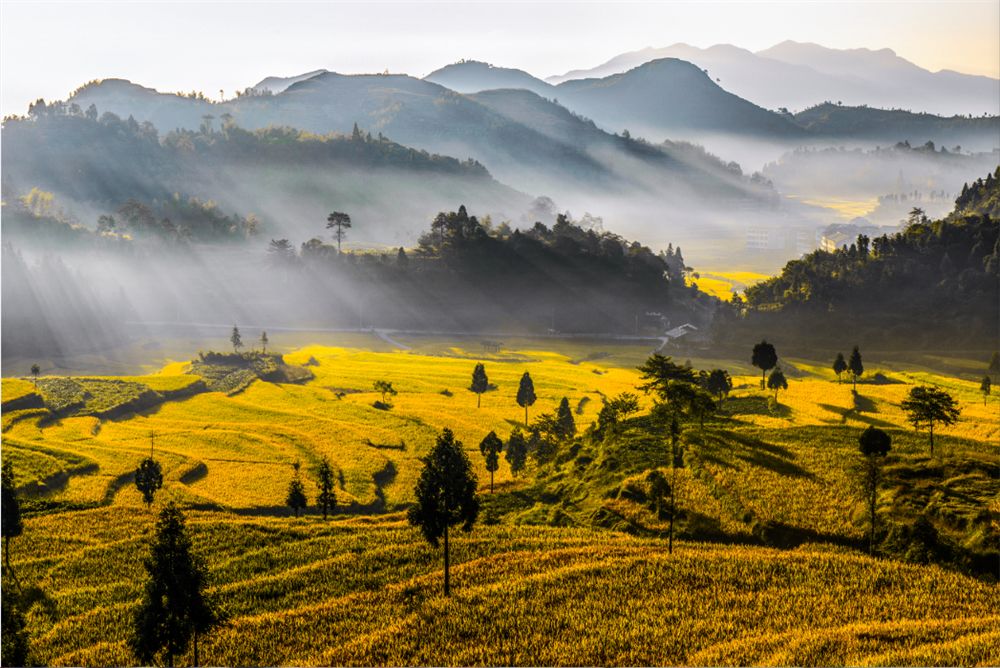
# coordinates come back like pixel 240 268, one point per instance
pixel 796 75
pixel 470 76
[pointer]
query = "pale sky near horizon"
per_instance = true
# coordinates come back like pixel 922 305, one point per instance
pixel 47 49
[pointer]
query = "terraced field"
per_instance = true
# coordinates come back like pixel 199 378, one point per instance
pixel 365 592
pixel 569 563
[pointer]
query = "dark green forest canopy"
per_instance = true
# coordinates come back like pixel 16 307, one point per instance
pixel 477 275
pixel 934 280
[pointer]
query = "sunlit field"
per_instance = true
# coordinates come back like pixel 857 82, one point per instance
pixel 364 588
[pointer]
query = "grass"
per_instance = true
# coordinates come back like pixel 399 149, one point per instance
pixel 363 592
pixel 363 588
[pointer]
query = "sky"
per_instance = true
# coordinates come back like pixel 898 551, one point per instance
pixel 47 49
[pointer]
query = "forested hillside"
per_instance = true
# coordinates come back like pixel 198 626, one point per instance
pixel 933 282
pixel 96 164
pixel 470 275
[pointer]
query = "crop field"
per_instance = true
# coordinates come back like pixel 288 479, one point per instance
pixel 568 564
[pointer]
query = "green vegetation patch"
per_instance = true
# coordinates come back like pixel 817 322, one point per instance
pixel 234 372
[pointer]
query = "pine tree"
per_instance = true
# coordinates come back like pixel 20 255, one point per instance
pixel 480 383
pixel 236 339
pixel 875 445
pixel 445 495
pixel 985 387
pixel 10 512
pixel 490 447
pixel 296 498
pixel 149 476
pixel 174 610
pixel 526 394
pixel 839 365
pixel 327 498
pixel 564 418
pixel 517 451
pixel 856 367
pixel 263 342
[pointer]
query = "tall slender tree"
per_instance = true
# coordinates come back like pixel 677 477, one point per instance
pixel 526 394
pixel 263 342
pixel 564 419
pixel 480 382
pixel 327 498
pixel 491 447
pixel 765 358
pixel 675 456
pixel 856 366
pixel 875 445
pixel 149 475
pixel 985 387
pixel 35 370
pixel 339 222
pixel 839 365
pixel 296 497
pixel 236 339
pixel 445 496
pixel 10 512
pixel 174 610
pixel 517 451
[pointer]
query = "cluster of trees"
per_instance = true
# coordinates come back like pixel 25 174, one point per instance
pixel 933 281
pixel 567 277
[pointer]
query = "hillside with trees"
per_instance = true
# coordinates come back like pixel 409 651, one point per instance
pixel 469 274
pixel 933 282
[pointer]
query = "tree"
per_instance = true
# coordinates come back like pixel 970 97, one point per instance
pixel 660 371
pixel 480 383
pixel 874 444
pixel 517 451
pixel 35 370
pixel 149 476
pixel 765 358
pixel 491 446
pixel 659 489
pixel 296 498
pixel 994 367
pixel 675 455
pixel 564 419
pixel 615 411
pixel 340 222
pixel 10 512
pixel 174 610
pixel 839 365
pixel 776 381
pixel 327 498
pixel 13 626
pixel 856 367
pixel 985 388
pixel 929 406
pixel 384 388
pixel 719 383
pixel 236 339
pixel 445 495
pixel 263 342
pixel 526 394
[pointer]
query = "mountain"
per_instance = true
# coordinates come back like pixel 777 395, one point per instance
pixel 892 125
pixel 671 98
pixel 524 140
pixel 277 84
pixel 796 76
pixel 470 76
pixel 288 178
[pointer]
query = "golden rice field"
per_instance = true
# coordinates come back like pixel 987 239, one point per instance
pixel 366 592
pixel 363 588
